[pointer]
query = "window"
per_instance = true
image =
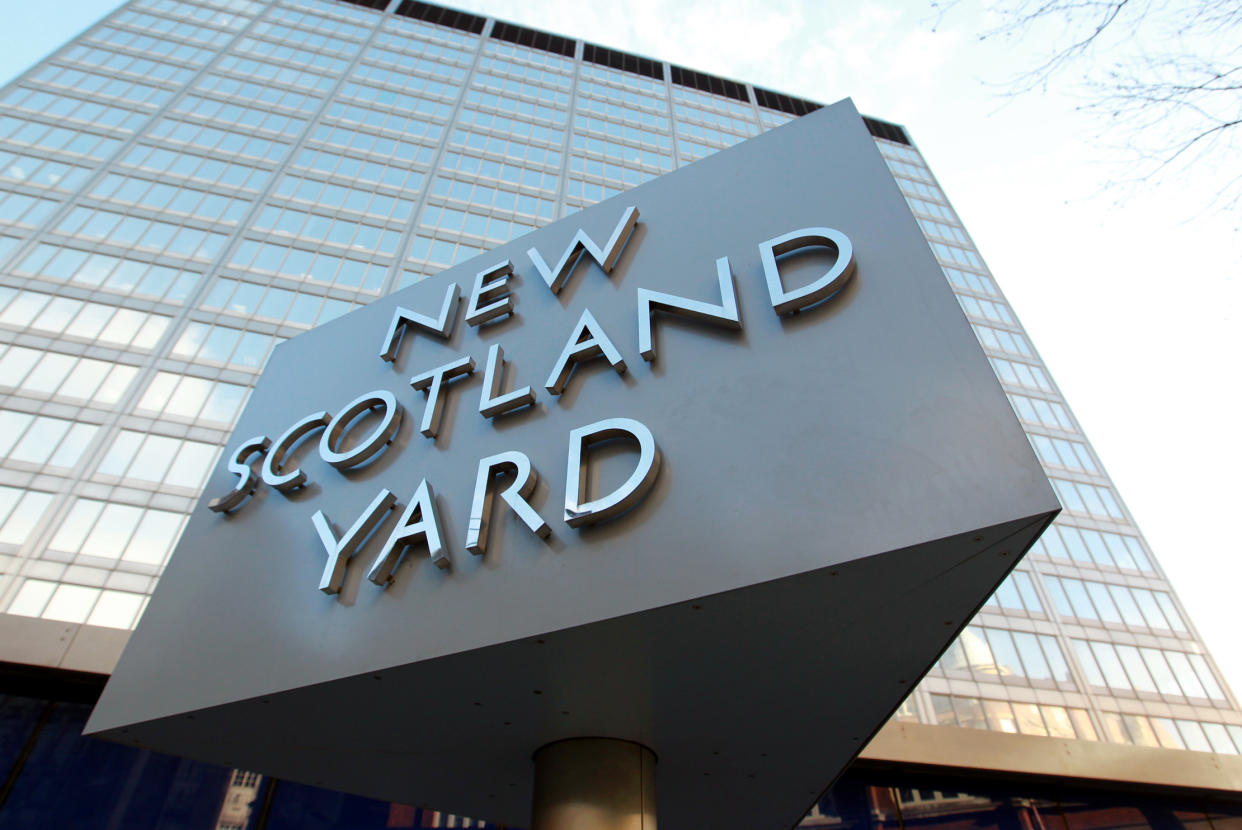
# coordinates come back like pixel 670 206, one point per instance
pixel 1134 607
pixel 20 512
pixel 224 345
pixel 1001 340
pixel 1129 669
pixel 80 319
pixel 189 165
pixel 110 273
pixel 37 439
pixel 315 227
pixel 972 282
pixel 441 252
pixel 997 654
pixel 159 459
pixel 316 265
pixel 1170 733
pixel 1016 594
pixel 986 309
pixel 190 398
pixel 557 116
pixel 168 198
pixel 233 142
pixel 63 139
pixel 46 373
pixel 1091 499
pixel 382 147
pixel 488 227
pixel 77 604
pixel 398 174
pixel 119 533
pixel 15 167
pixel 20 209
pixel 294 308
pixel 269 72
pixel 1022 374
pixel 1042 412
pixel 1007 716
pixel 481 195
pixel 1093 547
pixel 359 200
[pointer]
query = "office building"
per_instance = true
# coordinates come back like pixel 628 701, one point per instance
pixel 187 184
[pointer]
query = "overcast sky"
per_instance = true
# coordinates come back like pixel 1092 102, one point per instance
pixel 1130 294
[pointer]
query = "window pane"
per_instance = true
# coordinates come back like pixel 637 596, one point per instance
pixel 1028 719
pixel 1206 677
pixel 1103 602
pixel 154 537
pixel 1058 721
pixel 1219 739
pixel 970 712
pixel 1167 734
pixel 1185 674
pixel 1160 672
pixel 1114 729
pixel 1056 660
pixel 24 517
pixel 1140 730
pixel 1136 669
pixel 32 597
pixel 112 531
pixel 1083 725
pixel 1085 659
pixel 1000 716
pixel 1008 664
pixel 72 531
pixel 71 603
pixel 942 708
pixel 1192 735
pixel 1110 665
pixel 1032 656
pixel 115 609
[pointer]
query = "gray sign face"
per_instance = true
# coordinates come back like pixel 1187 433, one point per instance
pixel 716 466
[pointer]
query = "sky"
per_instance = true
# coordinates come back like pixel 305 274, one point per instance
pixel 1130 293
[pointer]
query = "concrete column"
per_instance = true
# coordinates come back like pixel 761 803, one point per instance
pixel 594 784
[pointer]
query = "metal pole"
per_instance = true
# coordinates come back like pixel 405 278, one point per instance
pixel 594 784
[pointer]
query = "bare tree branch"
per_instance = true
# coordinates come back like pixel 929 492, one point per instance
pixel 1163 76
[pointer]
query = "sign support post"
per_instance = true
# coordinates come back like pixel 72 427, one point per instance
pixel 594 784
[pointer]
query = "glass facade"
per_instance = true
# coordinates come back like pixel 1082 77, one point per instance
pixel 187 184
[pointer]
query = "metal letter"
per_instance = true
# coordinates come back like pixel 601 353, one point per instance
pixel 403 318
pixel 485 291
pixel 340 552
pixel 607 258
pixel 786 302
pixel 246 479
pixel 491 402
pixel 288 482
pixel 587 342
pixel 725 314
pixel 432 382
pixel 408 530
pixel 514 495
pixel 376 441
pixel 577 513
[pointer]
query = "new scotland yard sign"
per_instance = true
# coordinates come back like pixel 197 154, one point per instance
pixel 788 476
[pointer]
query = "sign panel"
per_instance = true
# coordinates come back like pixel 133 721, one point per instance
pixel 716 466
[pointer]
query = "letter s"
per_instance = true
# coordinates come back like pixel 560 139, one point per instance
pixel 246 479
